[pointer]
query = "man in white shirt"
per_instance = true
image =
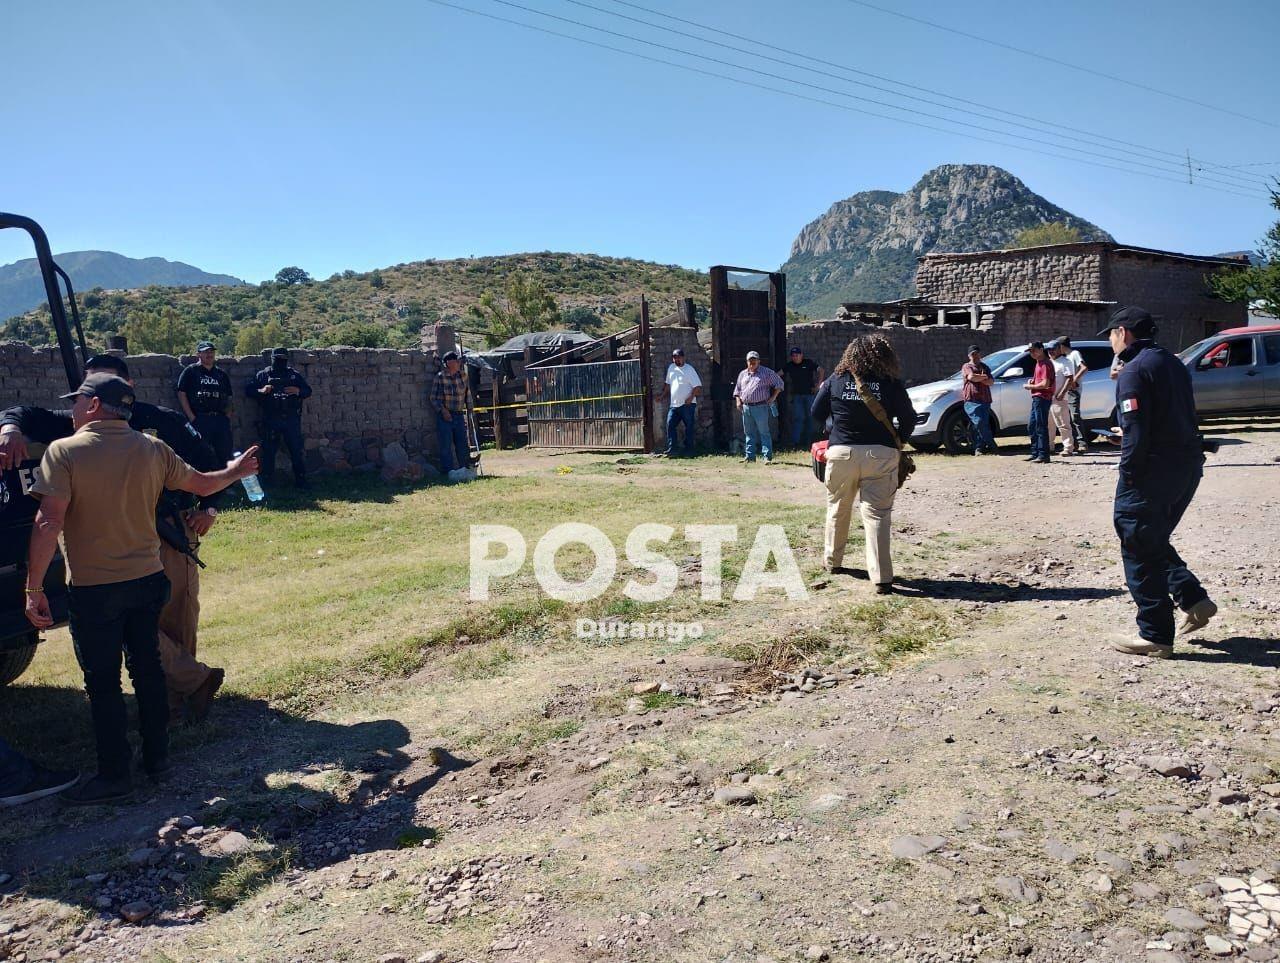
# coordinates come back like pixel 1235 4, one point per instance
pixel 1059 413
pixel 682 388
pixel 1071 392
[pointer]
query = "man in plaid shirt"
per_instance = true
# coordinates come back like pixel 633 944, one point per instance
pixel 449 397
pixel 755 392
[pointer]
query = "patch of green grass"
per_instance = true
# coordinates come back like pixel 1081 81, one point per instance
pixel 415 836
pixel 900 627
pixel 226 884
pixel 483 662
pixel 664 700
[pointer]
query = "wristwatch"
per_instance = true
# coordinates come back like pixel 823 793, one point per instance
pixel 211 512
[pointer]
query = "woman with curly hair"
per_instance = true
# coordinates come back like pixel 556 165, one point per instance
pixel 862 455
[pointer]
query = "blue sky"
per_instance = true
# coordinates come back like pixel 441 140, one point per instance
pixel 245 135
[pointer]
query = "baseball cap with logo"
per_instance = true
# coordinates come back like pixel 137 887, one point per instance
pixel 753 354
pixel 110 389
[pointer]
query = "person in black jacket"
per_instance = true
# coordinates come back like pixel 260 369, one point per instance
pixel 1161 462
pixel 280 392
pixel 180 518
pixel 863 452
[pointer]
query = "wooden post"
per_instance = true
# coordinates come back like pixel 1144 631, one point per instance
pixel 684 308
pixel 498 440
pixel 645 390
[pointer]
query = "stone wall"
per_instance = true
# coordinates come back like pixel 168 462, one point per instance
pixel 1066 271
pixel 364 400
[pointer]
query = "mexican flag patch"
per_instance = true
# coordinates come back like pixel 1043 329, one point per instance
pixel 1129 405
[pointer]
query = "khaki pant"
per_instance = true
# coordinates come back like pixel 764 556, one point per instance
pixel 1060 424
pixel 868 473
pixel 179 622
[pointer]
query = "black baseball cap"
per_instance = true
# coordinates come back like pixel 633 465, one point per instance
pixel 111 389
pixel 1137 320
pixel 204 346
pixel 677 352
pixel 107 362
pixel 974 349
pixel 279 352
pixel 449 356
pixel 1036 344
pixel 796 349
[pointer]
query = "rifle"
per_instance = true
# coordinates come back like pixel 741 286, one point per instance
pixel 171 527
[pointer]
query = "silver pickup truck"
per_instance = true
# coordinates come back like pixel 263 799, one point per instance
pixel 1236 371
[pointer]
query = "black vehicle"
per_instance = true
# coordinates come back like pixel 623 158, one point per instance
pixel 18 640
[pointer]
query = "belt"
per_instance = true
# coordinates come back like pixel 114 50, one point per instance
pixel 754 404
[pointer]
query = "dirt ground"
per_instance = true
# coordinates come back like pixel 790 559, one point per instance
pixel 1012 790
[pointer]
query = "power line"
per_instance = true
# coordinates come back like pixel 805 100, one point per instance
pixel 1063 63
pixel 1144 168
pixel 1255 164
pixel 1245 181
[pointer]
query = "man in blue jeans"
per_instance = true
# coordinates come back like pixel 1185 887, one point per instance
pixel 755 392
pixel 449 396
pixel 22 780
pixel 681 388
pixel 976 395
pixel 1041 387
pixel 801 377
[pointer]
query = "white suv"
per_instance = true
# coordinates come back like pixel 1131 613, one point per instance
pixel 940 417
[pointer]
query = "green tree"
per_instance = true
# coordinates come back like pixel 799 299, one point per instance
pixel 1260 283
pixel 1054 232
pixel 356 334
pixel 160 332
pixel 292 275
pixel 581 318
pixel 523 305
pixel 256 338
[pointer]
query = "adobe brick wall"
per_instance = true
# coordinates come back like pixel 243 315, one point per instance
pixel 1177 292
pixel 363 399
pixel 1068 271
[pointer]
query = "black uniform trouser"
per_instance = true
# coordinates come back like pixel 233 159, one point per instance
pixel 288 428
pixel 1146 515
pixel 106 622
pixel 215 428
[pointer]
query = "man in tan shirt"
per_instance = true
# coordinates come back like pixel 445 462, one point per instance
pixel 98 489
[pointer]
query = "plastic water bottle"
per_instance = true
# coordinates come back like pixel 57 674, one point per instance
pixel 252 487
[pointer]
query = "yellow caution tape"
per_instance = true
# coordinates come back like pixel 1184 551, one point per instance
pixel 565 401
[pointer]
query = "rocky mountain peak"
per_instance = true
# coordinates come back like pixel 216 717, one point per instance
pixel 865 247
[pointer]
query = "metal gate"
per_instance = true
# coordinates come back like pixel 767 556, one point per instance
pixel 596 405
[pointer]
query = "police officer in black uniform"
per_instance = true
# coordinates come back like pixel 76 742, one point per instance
pixel 280 391
pixel 204 394
pixel 1161 462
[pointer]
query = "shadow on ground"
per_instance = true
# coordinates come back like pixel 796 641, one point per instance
pixel 975 590
pixel 1242 650
pixel 304 791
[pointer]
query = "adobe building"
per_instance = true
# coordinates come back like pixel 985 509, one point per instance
pixel 1060 280
pixel 996 299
